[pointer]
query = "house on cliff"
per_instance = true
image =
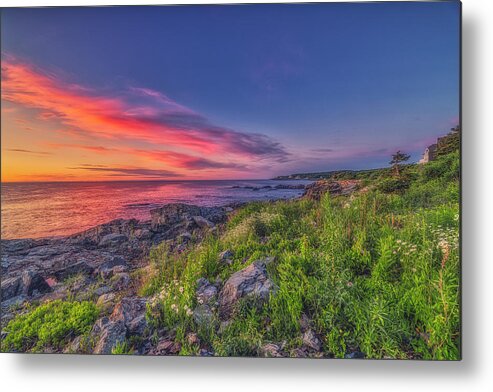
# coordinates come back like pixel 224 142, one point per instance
pixel 429 154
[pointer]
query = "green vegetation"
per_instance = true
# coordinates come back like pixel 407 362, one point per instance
pixel 51 324
pixel 121 348
pixel 450 142
pixel 376 272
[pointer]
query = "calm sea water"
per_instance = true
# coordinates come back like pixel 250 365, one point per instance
pixel 34 210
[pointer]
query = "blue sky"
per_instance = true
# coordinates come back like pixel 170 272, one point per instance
pixel 337 85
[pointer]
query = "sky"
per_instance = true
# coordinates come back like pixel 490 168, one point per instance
pixel 223 92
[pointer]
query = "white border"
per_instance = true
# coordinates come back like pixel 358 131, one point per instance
pixel 85 373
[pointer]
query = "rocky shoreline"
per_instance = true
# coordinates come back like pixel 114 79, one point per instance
pixel 101 264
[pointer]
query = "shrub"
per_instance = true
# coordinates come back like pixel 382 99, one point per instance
pixel 51 324
pixel 121 348
pixel 393 184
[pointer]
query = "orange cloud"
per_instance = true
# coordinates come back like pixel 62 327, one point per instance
pixel 163 122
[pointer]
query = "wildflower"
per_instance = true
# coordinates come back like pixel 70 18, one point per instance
pixel 349 284
pixel 443 244
pixel 181 289
pixel 189 312
pixel 201 301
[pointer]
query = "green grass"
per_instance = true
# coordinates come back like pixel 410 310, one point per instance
pixel 50 325
pixel 122 348
pixel 375 272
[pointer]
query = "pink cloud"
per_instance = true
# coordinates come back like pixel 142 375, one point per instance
pixel 164 123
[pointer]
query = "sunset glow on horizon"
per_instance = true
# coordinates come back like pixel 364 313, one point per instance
pixel 178 99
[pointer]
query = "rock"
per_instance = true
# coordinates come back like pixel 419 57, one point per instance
pixel 131 311
pixel 267 260
pixel 224 325
pixel 311 340
pixel 120 281
pixel 184 237
pixel 251 281
pixel 315 190
pixel 171 214
pixel 205 353
pixel 167 347
pixel 290 186
pixel 193 339
pixel 355 355
pixel 111 267
pixel 203 315
pixel 270 350
pixel 108 233
pixel 206 292
pixel 304 323
pixel 143 234
pixel 106 301
pixel 33 283
pixel 28 284
pixel 75 346
pixel 226 257
pixel 16 301
pixel 109 334
pixel 78 268
pixel 202 222
pixel 112 239
pixel 102 290
pixel 11 287
pixel 297 353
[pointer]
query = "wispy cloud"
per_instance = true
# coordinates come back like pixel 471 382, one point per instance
pixel 155 118
pixel 136 172
pixel 170 158
pixel 21 150
pixel 186 161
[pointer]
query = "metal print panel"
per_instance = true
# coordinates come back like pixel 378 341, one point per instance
pixel 270 180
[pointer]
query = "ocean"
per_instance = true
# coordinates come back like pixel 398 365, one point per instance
pixel 37 210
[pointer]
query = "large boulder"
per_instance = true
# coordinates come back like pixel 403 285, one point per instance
pixel 251 281
pixel 109 268
pixel 67 271
pixel 271 350
pixel 11 287
pixel 166 346
pixel 203 315
pixel 316 190
pixel 113 239
pixel 28 284
pixel 202 222
pixel 172 214
pixel 108 334
pixel 131 311
pixel 109 232
pixel 311 340
pixel 206 292
pixel 33 283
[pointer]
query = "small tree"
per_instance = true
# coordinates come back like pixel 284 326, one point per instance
pixel 396 161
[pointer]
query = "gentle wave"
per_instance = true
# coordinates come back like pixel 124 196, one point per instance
pixel 34 210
